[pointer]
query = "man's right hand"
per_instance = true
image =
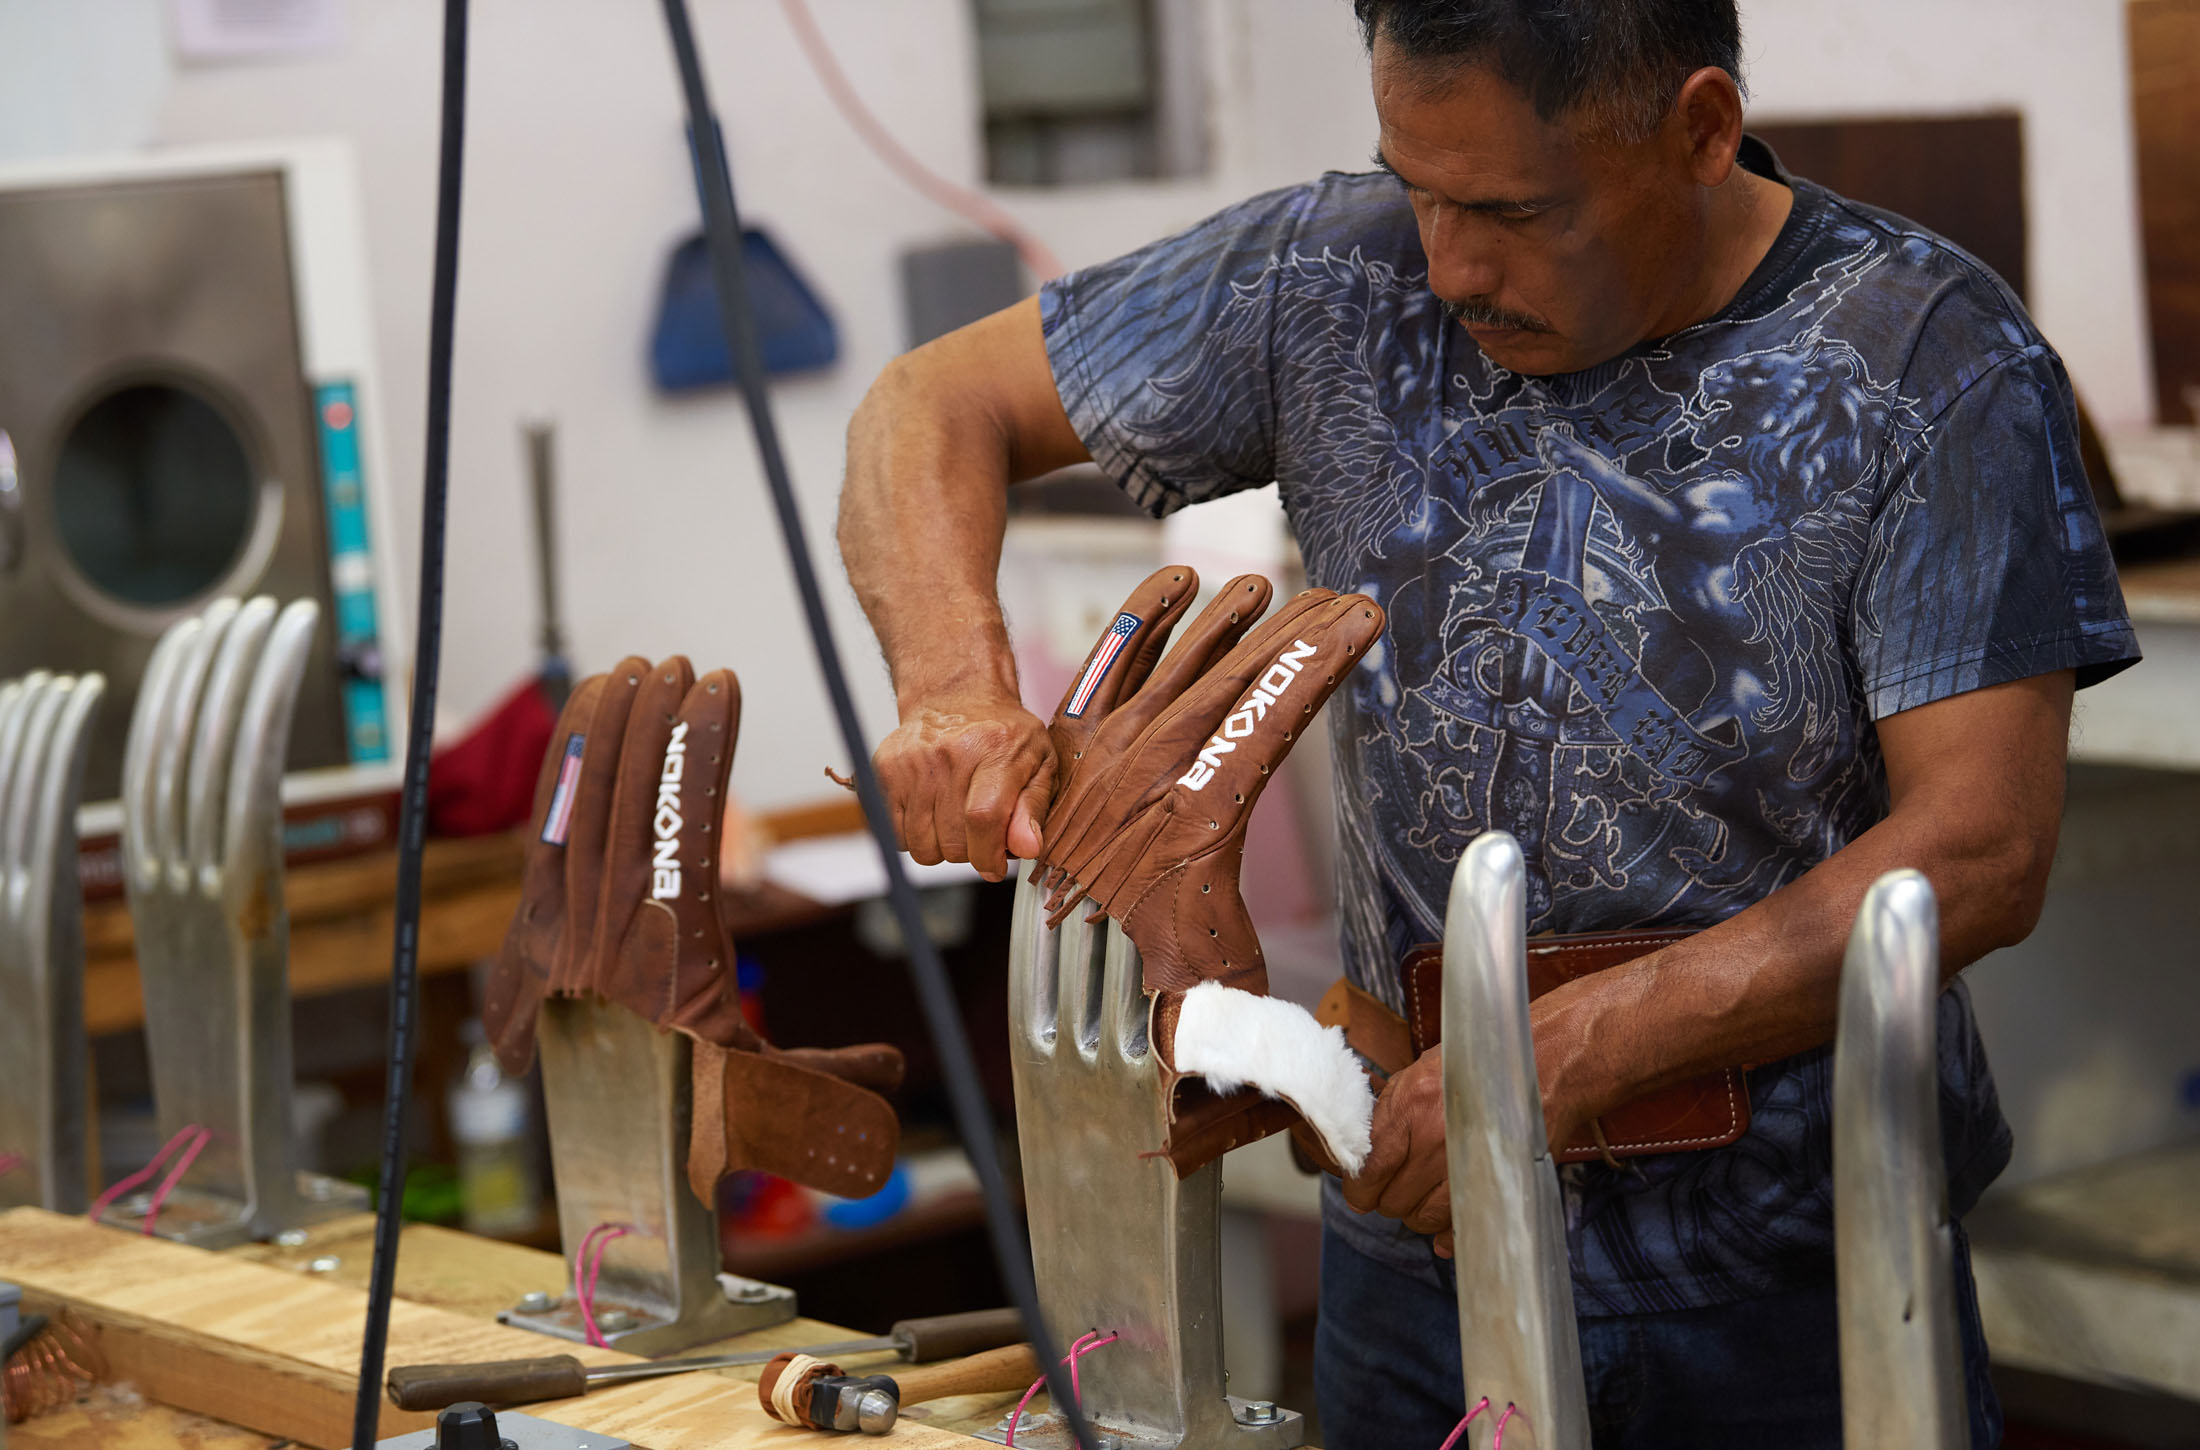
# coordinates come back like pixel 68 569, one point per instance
pixel 969 779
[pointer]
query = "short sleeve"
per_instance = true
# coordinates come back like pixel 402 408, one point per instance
pixel 1986 561
pixel 1164 358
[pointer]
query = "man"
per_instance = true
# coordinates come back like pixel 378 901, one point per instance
pixel 1806 477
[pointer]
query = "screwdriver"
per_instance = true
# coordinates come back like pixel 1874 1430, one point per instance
pixel 561 1376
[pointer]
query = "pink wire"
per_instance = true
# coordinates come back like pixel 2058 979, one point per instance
pixel 961 200
pixel 175 1176
pixel 587 1272
pixel 1085 1345
pixel 1461 1428
pixel 106 1200
pixel 1499 1442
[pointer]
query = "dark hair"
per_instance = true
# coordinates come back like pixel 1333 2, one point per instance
pixel 1618 62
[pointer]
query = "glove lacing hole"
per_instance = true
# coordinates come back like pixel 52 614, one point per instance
pixel 1204 888
pixel 1212 932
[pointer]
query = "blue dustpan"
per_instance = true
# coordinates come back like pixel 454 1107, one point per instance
pixel 688 348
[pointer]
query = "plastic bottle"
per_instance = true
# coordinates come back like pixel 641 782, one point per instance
pixel 489 1121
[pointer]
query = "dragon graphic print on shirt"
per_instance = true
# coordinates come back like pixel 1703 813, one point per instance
pixel 1642 617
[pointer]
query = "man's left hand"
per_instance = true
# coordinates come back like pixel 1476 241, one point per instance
pixel 1404 1177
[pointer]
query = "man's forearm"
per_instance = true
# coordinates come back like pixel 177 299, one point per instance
pixel 1764 984
pixel 921 520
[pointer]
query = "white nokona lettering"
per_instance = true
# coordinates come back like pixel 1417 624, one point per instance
pixel 1248 714
pixel 665 857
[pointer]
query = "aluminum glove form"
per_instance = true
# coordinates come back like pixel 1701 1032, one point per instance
pixel 1150 826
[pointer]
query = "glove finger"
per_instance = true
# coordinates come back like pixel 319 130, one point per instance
pixel 1290 678
pixel 1088 798
pixel 705 990
pixel 624 897
pixel 1123 656
pixel 522 974
pixel 591 816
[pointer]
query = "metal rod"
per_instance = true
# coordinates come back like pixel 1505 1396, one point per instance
pixel 542 478
pixel 966 1096
pixel 1519 1347
pixel 1901 1367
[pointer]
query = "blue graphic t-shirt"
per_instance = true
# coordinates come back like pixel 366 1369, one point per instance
pixel 1643 616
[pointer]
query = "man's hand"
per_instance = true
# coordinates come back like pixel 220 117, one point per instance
pixel 1404 1175
pixel 969 778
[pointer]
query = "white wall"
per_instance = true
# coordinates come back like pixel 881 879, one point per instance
pixel 578 184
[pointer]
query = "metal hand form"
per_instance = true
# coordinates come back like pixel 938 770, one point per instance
pixel 202 852
pixel 1518 1345
pixel 45 729
pixel 1901 1369
pixel 1121 1245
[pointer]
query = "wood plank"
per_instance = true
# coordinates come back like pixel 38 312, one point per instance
pixel 278 1351
pixel 477 1277
pixel 457 929
pixel 115 1417
pixel 1959 176
pixel 2165 114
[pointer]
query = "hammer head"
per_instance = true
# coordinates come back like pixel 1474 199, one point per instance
pixel 799 1390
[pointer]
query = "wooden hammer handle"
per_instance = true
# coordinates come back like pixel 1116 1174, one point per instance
pixel 995 1371
pixel 951 1336
pixel 502 1382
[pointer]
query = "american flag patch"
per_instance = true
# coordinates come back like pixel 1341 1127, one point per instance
pixel 560 818
pixel 1103 658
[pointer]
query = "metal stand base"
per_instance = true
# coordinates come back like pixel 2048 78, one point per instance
pixel 213 1221
pixel 1119 1243
pixel 629 1324
pixel 619 1100
pixel 1260 1425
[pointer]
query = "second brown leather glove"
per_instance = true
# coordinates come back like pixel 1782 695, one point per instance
pixel 1149 827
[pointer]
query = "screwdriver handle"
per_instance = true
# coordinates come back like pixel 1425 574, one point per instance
pixel 500 1382
pixel 951 1336
pixel 995 1371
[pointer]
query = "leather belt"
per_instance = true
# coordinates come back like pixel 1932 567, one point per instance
pixel 1710 1111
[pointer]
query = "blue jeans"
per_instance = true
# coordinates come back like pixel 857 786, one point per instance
pixel 1758 1373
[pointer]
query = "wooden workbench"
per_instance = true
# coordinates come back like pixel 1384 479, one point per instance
pixel 205 1348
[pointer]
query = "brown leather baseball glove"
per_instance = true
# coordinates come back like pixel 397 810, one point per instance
pixel 1149 827
pixel 658 945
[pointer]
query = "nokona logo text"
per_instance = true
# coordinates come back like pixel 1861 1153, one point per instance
pixel 1248 714
pixel 665 863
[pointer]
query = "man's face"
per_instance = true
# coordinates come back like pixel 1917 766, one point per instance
pixel 1557 250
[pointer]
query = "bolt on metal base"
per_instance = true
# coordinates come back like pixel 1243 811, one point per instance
pixel 1266 1426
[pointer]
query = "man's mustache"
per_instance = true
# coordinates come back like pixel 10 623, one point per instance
pixel 1482 314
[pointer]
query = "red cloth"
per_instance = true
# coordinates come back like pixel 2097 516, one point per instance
pixel 484 781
